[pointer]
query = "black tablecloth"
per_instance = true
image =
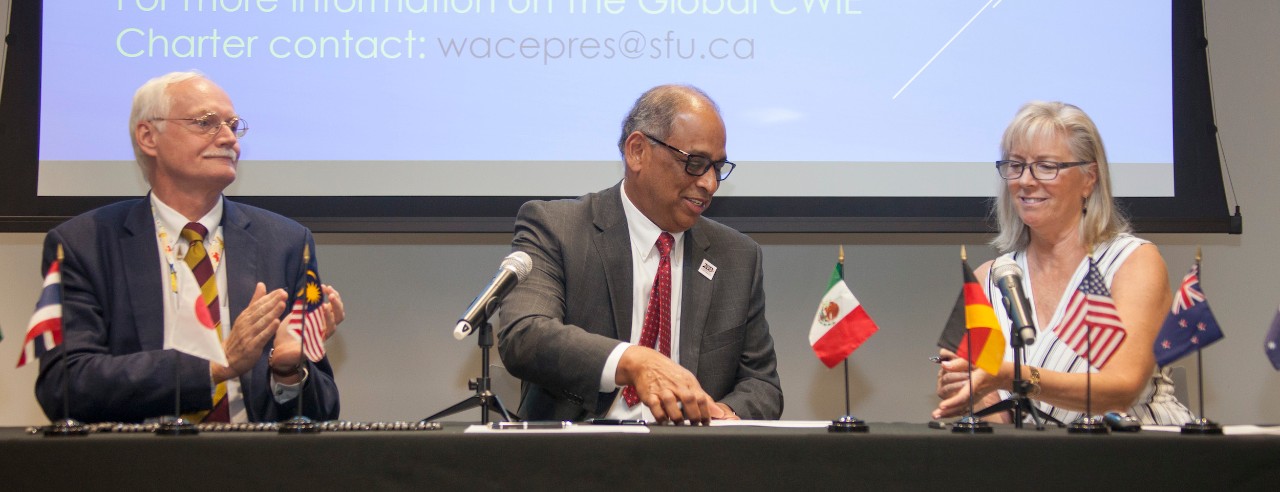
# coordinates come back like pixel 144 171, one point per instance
pixel 891 456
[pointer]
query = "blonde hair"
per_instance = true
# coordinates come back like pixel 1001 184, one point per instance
pixel 1037 120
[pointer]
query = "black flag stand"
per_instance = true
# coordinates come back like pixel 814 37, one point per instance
pixel 301 424
pixel 1087 423
pixel 970 423
pixel 1201 425
pixel 847 422
pixel 175 425
pixel 67 426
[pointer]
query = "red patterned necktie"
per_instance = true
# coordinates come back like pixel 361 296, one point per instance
pixel 657 318
pixel 198 259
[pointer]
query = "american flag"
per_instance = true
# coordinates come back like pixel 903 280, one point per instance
pixel 306 320
pixel 44 332
pixel 1092 314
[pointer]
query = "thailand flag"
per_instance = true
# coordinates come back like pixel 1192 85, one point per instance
pixel 44 332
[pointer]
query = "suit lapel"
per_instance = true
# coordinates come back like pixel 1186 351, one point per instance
pixel 612 242
pixel 140 255
pixel 242 260
pixel 695 301
pixel 242 273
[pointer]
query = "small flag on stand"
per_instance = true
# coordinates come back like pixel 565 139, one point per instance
pixel 1091 325
pixel 193 331
pixel 306 320
pixel 1272 344
pixel 44 332
pixel 1190 324
pixel 840 325
pixel 974 319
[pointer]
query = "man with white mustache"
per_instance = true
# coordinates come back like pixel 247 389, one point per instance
pixel 637 306
pixel 120 286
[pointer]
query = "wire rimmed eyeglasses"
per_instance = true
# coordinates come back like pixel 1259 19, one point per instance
pixel 211 123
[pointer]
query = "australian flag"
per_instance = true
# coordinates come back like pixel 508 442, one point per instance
pixel 1190 324
pixel 44 332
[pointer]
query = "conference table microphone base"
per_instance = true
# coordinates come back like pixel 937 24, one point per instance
pixel 73 427
pixel 176 426
pixel 300 424
pixel 1088 425
pixel 971 424
pixel 1202 426
pixel 848 423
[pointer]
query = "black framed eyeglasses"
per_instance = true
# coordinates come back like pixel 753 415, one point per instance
pixel 697 165
pixel 211 123
pixel 1040 170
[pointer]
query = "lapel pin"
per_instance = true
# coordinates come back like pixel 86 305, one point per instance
pixel 707 269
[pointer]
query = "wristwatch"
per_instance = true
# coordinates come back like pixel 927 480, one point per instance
pixel 1033 383
pixel 293 371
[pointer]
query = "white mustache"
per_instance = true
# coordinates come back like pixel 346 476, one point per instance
pixel 227 153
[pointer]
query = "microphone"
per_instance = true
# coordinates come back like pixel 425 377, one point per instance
pixel 1008 278
pixel 515 267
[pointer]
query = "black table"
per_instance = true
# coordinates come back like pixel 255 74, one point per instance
pixel 892 456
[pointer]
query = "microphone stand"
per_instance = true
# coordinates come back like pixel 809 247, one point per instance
pixel 1018 401
pixel 484 397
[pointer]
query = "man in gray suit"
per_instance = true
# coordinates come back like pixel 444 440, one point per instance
pixel 638 307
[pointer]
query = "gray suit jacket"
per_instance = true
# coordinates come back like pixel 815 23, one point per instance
pixel 559 325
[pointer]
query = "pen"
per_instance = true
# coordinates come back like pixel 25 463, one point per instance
pixel 616 422
pixel 536 425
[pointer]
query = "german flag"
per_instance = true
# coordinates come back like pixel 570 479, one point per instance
pixel 972 327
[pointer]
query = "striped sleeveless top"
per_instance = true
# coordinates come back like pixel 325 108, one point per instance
pixel 1155 405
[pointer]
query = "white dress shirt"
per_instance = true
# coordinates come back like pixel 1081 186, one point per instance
pixel 170 221
pixel 644 267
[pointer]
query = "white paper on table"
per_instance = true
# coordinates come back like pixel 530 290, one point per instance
pixel 569 429
pixel 1230 430
pixel 781 424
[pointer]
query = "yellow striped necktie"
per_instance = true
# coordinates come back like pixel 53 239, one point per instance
pixel 198 259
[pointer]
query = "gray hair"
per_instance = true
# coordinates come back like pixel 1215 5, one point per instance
pixel 152 101
pixel 1039 120
pixel 656 109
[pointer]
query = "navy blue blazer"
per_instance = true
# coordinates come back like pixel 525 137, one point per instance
pixel 113 317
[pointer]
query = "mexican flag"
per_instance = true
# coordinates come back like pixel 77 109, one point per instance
pixel 840 325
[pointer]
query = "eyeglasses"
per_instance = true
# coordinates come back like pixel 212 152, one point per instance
pixel 211 124
pixel 696 165
pixel 1040 170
